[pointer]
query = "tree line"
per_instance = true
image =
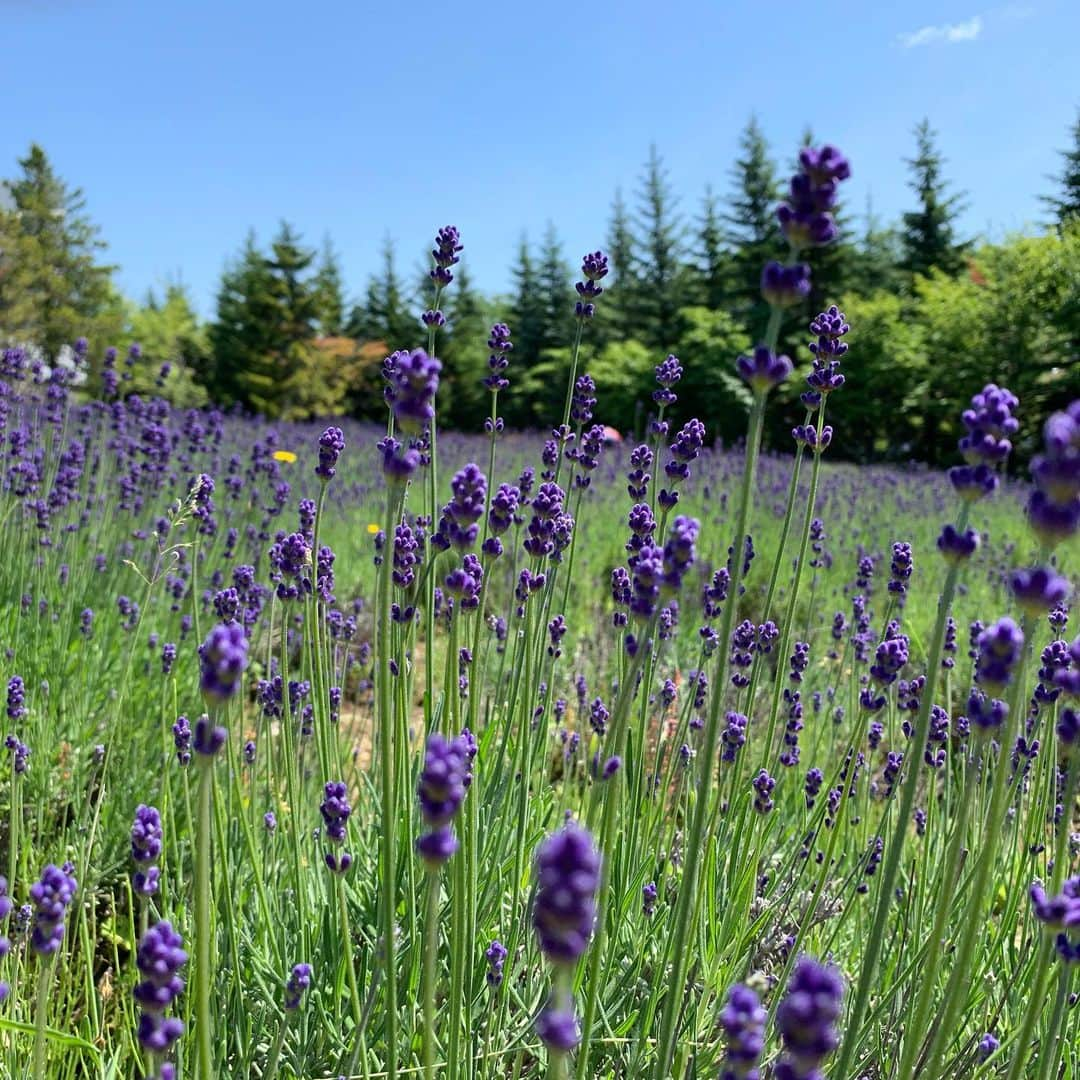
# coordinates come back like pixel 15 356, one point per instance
pixel 934 314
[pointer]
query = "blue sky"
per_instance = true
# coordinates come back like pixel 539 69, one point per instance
pixel 188 123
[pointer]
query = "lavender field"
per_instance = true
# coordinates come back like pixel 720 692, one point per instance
pixel 341 749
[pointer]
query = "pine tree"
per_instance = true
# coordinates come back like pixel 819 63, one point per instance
pixel 526 309
pixel 877 255
pixel 329 292
pixel 713 261
pixel 661 252
pixel 385 313
pixel 1065 206
pixel 464 351
pixel 929 233
pixel 750 230
pixel 556 291
pixel 619 316
pixel 263 337
pixel 60 276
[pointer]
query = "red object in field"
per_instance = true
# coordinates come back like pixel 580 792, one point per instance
pixel 611 435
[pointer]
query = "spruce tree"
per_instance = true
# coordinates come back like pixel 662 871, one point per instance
pixel 329 292
pixel 1065 206
pixel 619 317
pixel 662 280
pixel 929 233
pixel 385 314
pixel 464 351
pixel 58 247
pixel 556 292
pixel 712 260
pixel 526 309
pixel 265 327
pixel 750 229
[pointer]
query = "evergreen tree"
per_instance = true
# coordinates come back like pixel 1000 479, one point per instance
pixel 556 291
pixel 265 327
pixel 385 313
pixel 329 292
pixel 750 230
pixel 526 309
pixel 929 233
pixel 1065 206
pixel 618 317
pixel 661 251
pixel 877 256
pixel 464 351
pixel 58 246
pixel 713 261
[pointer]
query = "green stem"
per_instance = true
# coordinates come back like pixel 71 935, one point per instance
pixel 387 832
pixel 431 956
pixel 40 1008
pixel 680 943
pixel 203 929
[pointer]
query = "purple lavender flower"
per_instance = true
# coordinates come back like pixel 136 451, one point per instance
pixel 957 547
pixel 146 840
pixel 785 286
pixel 1038 589
pixel 583 400
pixel 499 358
pixel 414 381
pixel 444 779
pixel 594 268
pixel 743 1020
pixel 331 447
pixel 445 255
pixel 223 658
pixel 1000 646
pixel 805 217
pixel 763 785
pixel 558 1029
pixel 159 957
pixel 763 369
pixel 51 896
pixel 568 877
pixel 298 983
pixel 496 955
pixel 16 698
pixel 806 1019
pixel 335 811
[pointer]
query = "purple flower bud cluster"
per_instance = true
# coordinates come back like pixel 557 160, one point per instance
pixel 1000 647
pixel 51 896
pixel 763 369
pixel 444 779
pixel 806 1019
pixel 445 255
pixel 413 379
pixel 1054 507
pixel 298 982
pixel 568 878
pixel 805 217
pixel 743 1021
pixel 785 286
pixel 668 373
pixel 331 447
pixel 903 563
pixel 641 459
pixel 594 268
pixel 146 840
pixel 499 358
pixel 763 785
pixel 957 547
pixel 583 400
pixel 1038 589
pixel 335 810
pixel 159 957
pixel 223 658
pixel 458 526
pixel 986 444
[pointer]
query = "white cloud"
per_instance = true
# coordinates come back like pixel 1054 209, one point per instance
pixel 946 33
